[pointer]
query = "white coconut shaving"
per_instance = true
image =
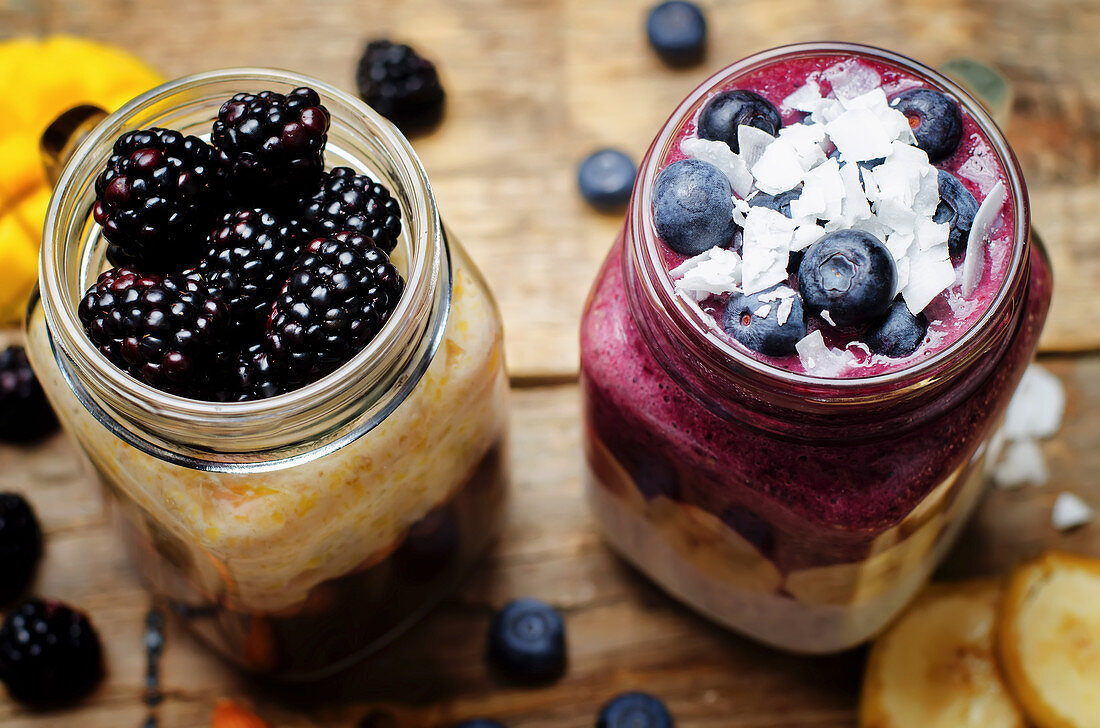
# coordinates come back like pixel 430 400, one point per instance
pixel 712 272
pixel 721 156
pixel 984 218
pixel 1070 511
pixel 1035 413
pixel 765 249
pixel 1021 463
pixel 820 359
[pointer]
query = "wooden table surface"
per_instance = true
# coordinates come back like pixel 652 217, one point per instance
pixel 533 86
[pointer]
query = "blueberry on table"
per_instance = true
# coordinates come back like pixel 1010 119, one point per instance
pixel 849 273
pixel 401 85
pixel 634 710
pixel 935 119
pixel 606 178
pixel 756 323
pixel 49 654
pixel 957 208
pixel 527 641
pixel 20 546
pixel 693 206
pixel 677 31
pixel 899 333
pixel 725 112
pixel 25 413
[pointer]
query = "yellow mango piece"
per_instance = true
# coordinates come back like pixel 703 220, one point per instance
pixel 21 169
pixel 18 268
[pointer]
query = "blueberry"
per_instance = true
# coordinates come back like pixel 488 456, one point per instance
pixel 764 333
pixel 527 641
pixel 693 206
pixel 606 178
pixel 851 274
pixel 727 111
pixel 479 723
pixel 957 207
pixel 677 30
pixel 935 119
pixel 899 333
pixel 780 203
pixel 634 710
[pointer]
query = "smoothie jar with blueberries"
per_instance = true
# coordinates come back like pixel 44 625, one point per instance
pixel 796 355
pixel 285 372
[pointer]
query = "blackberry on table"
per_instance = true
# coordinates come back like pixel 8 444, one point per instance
pixel 25 413
pixel 400 85
pixel 338 296
pixel 346 201
pixel 49 653
pixel 248 257
pixel 155 199
pixel 272 145
pixel 20 546
pixel 161 329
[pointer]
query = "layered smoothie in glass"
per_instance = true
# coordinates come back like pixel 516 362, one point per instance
pixel 794 358
pixel 296 523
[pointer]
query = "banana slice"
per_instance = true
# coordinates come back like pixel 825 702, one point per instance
pixel 936 667
pixel 1049 639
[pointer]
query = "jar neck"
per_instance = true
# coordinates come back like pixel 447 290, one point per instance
pixel 305 423
pixel 733 383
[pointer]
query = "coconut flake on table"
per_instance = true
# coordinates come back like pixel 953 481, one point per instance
pixel 984 218
pixel 765 249
pixel 1037 407
pixel 712 272
pixel 721 156
pixel 1070 511
pixel 1022 463
pixel 819 359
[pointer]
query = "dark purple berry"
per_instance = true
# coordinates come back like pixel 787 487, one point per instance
pixel 756 323
pixel 155 199
pixel 935 119
pixel 527 641
pixel 400 85
pixel 957 208
pixel 634 710
pixel 606 179
pixel 163 330
pixel 49 654
pixel 898 333
pixel 248 257
pixel 271 145
pixel 850 274
pixel 693 207
pixel 25 413
pixel 338 296
pixel 725 112
pixel 677 31
pixel 20 546
pixel 246 375
pixel 346 201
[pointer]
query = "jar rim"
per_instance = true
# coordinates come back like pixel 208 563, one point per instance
pixel 644 249
pixel 427 271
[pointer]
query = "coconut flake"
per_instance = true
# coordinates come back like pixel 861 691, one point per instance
pixel 806 97
pixel 785 308
pixel 765 249
pixel 805 235
pixel 859 135
pixel 752 142
pixel 1023 463
pixel 721 156
pixel 974 262
pixel 779 168
pixel 827 317
pixel 821 360
pixel 852 78
pixel 779 293
pixel 1070 512
pixel 763 311
pixel 712 272
pixel 824 190
pixel 930 274
pixel 1037 407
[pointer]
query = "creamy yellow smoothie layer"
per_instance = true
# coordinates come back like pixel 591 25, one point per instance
pixel 261 541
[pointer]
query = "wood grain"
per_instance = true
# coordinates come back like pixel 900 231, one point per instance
pixel 623 632
pixel 534 85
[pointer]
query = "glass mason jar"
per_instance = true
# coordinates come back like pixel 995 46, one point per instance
pixel 294 534
pixel 803 512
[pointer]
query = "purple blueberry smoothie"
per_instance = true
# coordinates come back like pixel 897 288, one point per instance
pixel 800 509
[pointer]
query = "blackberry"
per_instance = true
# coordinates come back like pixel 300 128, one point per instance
pixel 49 653
pixel 347 201
pixel 246 376
pixel 248 257
pixel 163 330
pixel 338 296
pixel 155 199
pixel 25 414
pixel 271 144
pixel 20 546
pixel 400 85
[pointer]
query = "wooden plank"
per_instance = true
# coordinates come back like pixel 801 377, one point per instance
pixel 534 85
pixel 624 633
